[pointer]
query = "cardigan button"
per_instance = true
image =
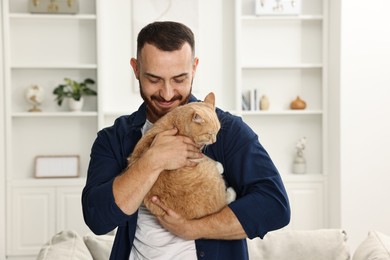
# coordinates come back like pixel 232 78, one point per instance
pixel 202 254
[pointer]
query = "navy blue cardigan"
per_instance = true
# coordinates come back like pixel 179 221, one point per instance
pixel 261 205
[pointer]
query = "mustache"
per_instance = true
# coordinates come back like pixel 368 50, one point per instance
pixel 161 99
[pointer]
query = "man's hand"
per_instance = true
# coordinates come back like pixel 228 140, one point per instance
pixel 174 223
pixel 171 151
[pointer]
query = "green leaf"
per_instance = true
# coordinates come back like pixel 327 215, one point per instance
pixel 73 89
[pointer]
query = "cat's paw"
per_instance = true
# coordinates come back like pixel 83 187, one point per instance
pixel 230 195
pixel 219 167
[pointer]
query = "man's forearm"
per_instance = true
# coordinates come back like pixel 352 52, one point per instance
pixel 131 187
pixel 222 225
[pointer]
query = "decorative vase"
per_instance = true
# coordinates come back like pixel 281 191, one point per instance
pixel 298 103
pixel 299 164
pixel 264 103
pixel 75 105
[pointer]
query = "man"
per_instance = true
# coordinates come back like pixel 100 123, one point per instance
pixel 112 198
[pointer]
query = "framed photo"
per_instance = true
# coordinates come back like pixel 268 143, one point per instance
pixel 277 7
pixel 66 166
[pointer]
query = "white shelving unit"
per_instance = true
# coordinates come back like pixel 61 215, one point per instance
pixel 282 57
pixel 43 49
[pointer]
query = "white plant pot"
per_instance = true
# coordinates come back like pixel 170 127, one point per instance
pixel 75 105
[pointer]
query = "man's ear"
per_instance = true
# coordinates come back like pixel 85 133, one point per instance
pixel 195 66
pixel 135 65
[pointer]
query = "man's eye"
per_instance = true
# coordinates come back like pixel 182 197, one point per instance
pixel 180 80
pixel 153 81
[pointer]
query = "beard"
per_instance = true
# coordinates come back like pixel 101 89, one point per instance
pixel 156 111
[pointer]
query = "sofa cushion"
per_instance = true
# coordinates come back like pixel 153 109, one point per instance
pixel 65 245
pixel 375 246
pixel 321 244
pixel 99 246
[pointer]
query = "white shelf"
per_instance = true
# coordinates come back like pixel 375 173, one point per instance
pixel 54 66
pixel 48 182
pixel 116 113
pixel 283 17
pixel 283 66
pixel 281 112
pixel 306 177
pixel 54 114
pixel 53 16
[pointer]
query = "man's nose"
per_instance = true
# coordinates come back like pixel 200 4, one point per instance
pixel 167 91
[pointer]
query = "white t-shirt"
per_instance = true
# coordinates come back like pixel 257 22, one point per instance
pixel 152 241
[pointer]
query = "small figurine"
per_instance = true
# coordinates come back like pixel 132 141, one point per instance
pixel 34 95
pixel 299 165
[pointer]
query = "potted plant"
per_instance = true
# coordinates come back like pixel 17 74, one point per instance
pixel 74 91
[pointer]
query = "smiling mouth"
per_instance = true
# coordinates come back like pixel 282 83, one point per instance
pixel 165 104
pixel 162 103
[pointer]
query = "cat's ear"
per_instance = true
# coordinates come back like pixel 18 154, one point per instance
pixel 197 118
pixel 210 99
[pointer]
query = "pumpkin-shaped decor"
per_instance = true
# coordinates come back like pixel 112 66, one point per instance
pixel 298 103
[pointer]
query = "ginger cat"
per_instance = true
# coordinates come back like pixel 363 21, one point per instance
pixel 192 192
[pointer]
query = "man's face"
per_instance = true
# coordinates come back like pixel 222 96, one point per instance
pixel 165 78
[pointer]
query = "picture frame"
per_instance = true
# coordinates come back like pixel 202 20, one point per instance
pixel 57 166
pixel 277 7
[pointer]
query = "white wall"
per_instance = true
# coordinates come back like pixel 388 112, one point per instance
pixel 2 144
pixel 333 156
pixel 116 35
pixel 214 42
pixel 365 118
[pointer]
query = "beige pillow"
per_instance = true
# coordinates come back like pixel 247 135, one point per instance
pixel 99 246
pixel 65 245
pixel 375 246
pixel 321 244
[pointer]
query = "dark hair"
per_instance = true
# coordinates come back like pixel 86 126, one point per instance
pixel 166 36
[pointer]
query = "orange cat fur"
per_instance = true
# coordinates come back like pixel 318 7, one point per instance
pixel 192 192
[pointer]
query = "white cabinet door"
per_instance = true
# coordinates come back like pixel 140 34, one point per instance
pixel 307 205
pixel 69 210
pixel 31 219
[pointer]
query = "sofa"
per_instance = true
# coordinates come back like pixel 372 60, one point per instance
pixel 322 244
